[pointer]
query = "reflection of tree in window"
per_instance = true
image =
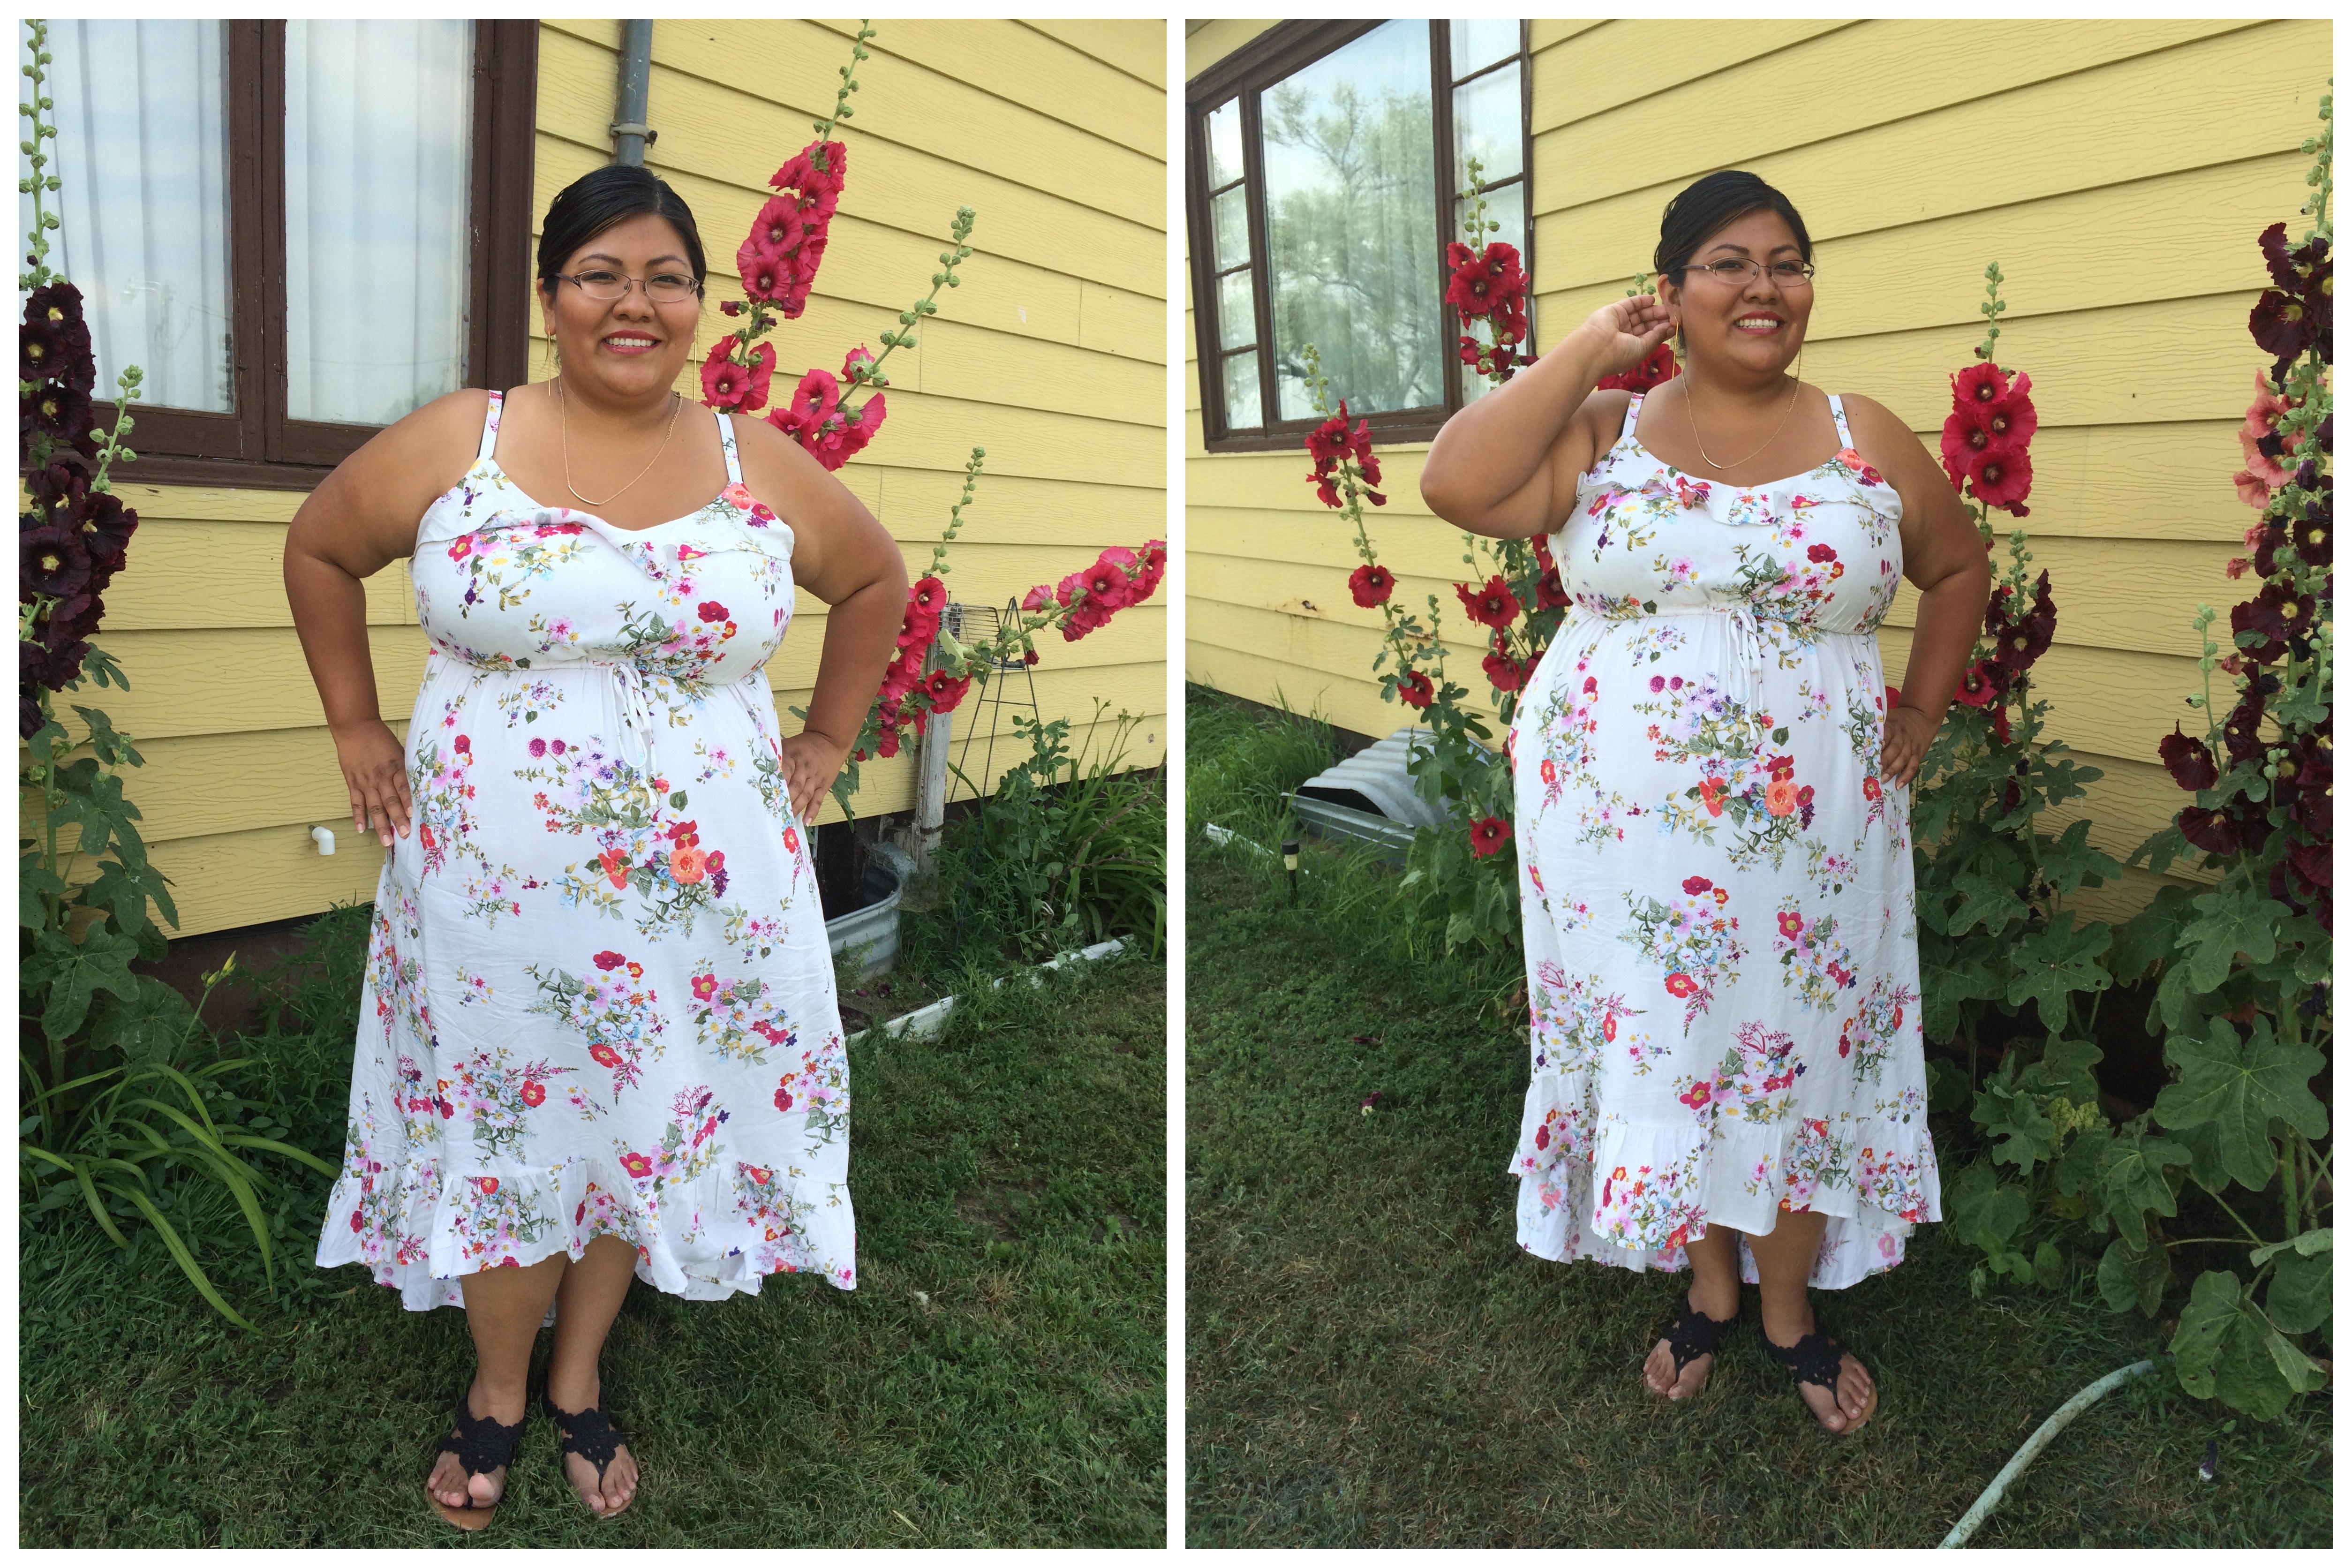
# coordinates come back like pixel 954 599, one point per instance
pixel 1352 220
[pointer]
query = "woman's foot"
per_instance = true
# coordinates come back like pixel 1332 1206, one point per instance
pixel 1717 1302
pixel 466 1497
pixel 1832 1381
pixel 587 1435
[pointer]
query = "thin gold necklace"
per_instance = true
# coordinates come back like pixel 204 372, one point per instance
pixel 1795 386
pixel 563 424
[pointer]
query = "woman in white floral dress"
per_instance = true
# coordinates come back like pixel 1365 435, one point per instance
pixel 599 1034
pixel 1712 794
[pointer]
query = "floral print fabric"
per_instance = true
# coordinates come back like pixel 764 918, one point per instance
pixel 599 998
pixel 1723 977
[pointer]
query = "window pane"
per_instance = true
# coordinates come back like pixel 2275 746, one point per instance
pixel 1481 42
pixel 1243 407
pixel 142 158
pixel 1230 218
pixel 1486 126
pixel 1236 313
pixel 379 118
pixel 1351 224
pixel 1224 144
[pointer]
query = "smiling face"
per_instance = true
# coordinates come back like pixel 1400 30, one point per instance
pixel 629 348
pixel 1758 326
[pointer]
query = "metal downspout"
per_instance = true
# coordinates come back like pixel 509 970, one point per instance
pixel 630 131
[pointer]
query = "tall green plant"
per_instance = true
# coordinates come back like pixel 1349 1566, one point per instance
pixel 116 1111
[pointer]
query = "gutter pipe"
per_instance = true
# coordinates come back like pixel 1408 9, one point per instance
pixel 631 134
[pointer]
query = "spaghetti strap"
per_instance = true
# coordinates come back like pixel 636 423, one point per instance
pixel 1837 412
pixel 727 446
pixel 490 426
pixel 1633 412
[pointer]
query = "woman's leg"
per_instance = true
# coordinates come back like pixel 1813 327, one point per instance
pixel 1714 1290
pixel 504 1308
pixel 1784 1262
pixel 591 1299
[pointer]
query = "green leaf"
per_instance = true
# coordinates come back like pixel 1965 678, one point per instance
pixel 2056 964
pixel 2132 1182
pixel 125 891
pixel 2049 1266
pixel 1951 973
pixel 2226 1349
pixel 2238 1086
pixel 2301 1295
pixel 2152 936
pixel 73 972
pixel 1987 900
pixel 34 882
pixel 1987 1214
pixel 2067 1068
pixel 2023 1135
pixel 2133 1276
pixel 2070 861
pixel 2230 920
pixel 147 1027
pixel 1948 1087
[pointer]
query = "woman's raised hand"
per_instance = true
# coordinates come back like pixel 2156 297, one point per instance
pixel 375 770
pixel 1628 332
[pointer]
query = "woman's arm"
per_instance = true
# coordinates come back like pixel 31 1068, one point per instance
pixel 361 519
pixel 846 558
pixel 1944 558
pixel 1506 465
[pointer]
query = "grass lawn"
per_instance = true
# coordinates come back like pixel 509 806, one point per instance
pixel 997 1378
pixel 1372 1362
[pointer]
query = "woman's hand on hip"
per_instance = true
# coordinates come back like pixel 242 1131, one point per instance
pixel 1910 733
pixel 811 763
pixel 375 770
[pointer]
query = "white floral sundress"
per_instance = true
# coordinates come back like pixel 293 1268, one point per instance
pixel 599 998
pixel 1723 973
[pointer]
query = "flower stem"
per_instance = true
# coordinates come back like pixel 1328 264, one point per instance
pixel 840 110
pixel 868 373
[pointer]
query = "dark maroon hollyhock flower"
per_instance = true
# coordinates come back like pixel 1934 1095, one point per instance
pixel 40 352
pixel 2018 643
pixel 2242 731
pixel 2314 533
pixel 2211 831
pixel 106 526
pixel 2278 616
pixel 29 716
pixel 2300 313
pixel 63 480
pixel 73 619
pixel 56 309
pixel 2187 760
pixel 2314 864
pixel 58 412
pixel 51 560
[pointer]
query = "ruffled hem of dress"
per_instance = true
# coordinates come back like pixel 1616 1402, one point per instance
pixel 451 1228
pixel 1632 1196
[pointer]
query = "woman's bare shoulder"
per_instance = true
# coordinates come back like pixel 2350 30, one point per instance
pixel 372 503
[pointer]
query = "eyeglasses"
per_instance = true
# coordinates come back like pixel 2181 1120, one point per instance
pixel 1738 273
pixel 662 288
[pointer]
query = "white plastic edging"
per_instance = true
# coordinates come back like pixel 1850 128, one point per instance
pixel 1227 836
pixel 925 1022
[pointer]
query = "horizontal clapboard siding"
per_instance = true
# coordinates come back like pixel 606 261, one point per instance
pixel 1051 354
pixel 2119 171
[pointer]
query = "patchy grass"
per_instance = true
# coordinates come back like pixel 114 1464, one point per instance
pixel 997 1378
pixel 1372 1362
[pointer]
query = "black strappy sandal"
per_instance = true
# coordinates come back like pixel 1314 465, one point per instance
pixel 1692 1335
pixel 481 1445
pixel 590 1435
pixel 1817 1358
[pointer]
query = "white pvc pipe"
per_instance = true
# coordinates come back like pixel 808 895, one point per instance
pixel 1979 1510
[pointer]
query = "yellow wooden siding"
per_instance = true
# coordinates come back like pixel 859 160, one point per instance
pixel 1051 355
pixel 2118 171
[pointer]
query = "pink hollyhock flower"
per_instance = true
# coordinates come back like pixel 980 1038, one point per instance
pixel 815 399
pixel 729 385
pixel 1105 584
pixel 765 275
pixel 779 229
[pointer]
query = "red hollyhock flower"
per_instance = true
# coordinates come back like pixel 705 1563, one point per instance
pixel 929 596
pixel 801 170
pixel 1976 688
pixel 1413 689
pixel 813 401
pixel 2003 479
pixel 1372 585
pixel 1491 606
pixel 1654 370
pixel 1984 384
pixel 1488 834
pixel 1106 585
pixel 727 384
pixel 945 690
pixel 2188 760
pixel 1483 282
pixel 1506 674
pixel 780 228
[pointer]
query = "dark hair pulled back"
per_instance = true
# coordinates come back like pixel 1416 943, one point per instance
pixel 602 197
pixel 1705 206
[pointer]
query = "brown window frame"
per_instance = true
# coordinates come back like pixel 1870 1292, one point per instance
pixel 256 445
pixel 1248 71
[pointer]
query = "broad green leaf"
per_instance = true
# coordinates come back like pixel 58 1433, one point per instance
pixel 2024 1135
pixel 1948 1087
pixel 1951 973
pixel 147 1027
pixel 2301 1294
pixel 1987 900
pixel 2056 964
pixel 127 889
pixel 2310 1244
pixel 2203 1141
pixel 2226 1349
pixel 2049 1266
pixel 2132 1182
pixel 72 972
pixel 2238 1086
pixel 2077 1167
pixel 2066 1069
pixel 34 882
pixel 2133 1276
pixel 2230 920
pixel 2070 860
pixel 2152 936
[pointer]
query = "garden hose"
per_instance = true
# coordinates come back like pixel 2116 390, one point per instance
pixel 1979 1510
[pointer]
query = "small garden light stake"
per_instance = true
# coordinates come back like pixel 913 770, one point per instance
pixel 1290 864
